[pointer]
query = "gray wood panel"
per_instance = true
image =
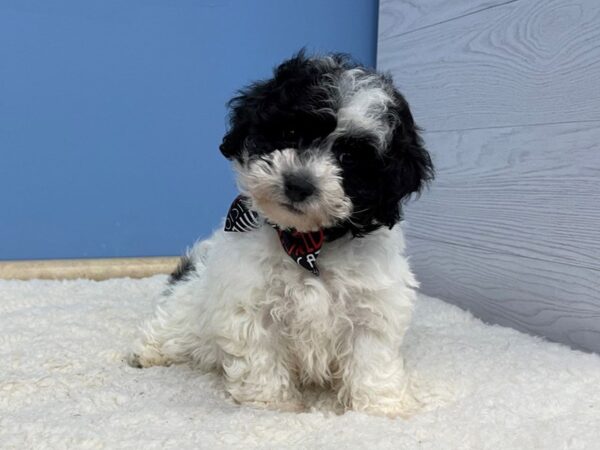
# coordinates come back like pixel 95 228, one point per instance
pixel 528 191
pixel 525 62
pixel 557 301
pixel 419 14
pixel 510 100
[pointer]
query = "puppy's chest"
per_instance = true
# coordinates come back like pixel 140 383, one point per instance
pixel 310 308
pixel 298 302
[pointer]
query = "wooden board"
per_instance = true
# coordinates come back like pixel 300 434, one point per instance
pixel 553 300
pixel 526 62
pixel 94 269
pixel 510 100
pixel 527 191
pixel 419 14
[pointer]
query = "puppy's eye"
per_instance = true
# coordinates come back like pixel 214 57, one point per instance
pixel 289 133
pixel 346 159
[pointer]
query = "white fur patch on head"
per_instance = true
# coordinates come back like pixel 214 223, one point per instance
pixel 262 180
pixel 363 104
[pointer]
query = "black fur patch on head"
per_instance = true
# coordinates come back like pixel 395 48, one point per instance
pixel 379 181
pixel 287 110
pixel 183 270
pixel 406 167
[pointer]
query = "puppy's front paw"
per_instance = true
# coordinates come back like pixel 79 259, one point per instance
pixel 269 396
pixel 146 356
pixel 133 359
pixel 403 406
pixel 284 406
pixel 402 409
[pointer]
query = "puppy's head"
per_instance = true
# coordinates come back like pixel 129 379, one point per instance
pixel 326 143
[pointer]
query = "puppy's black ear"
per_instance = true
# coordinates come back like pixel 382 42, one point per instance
pixel 231 146
pixel 416 168
pixel 408 164
pixel 244 109
pixel 233 142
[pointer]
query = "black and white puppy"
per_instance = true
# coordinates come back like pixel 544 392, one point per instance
pixel 307 284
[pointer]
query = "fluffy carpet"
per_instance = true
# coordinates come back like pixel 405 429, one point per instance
pixel 64 384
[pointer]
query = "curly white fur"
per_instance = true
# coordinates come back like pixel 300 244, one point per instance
pixel 262 182
pixel 273 328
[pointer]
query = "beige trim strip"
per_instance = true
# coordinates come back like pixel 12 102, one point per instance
pixel 95 269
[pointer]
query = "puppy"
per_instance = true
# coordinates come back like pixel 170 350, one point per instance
pixel 307 284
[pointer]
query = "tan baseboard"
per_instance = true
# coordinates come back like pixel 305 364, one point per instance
pixel 95 269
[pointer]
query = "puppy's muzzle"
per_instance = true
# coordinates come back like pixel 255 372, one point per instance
pixel 298 186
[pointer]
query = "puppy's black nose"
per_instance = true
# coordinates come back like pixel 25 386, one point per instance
pixel 298 186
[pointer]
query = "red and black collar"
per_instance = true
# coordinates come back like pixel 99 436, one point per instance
pixel 303 248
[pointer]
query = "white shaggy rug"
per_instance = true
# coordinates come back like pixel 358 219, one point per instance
pixel 64 384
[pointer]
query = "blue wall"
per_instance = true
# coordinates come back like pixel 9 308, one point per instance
pixel 111 113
